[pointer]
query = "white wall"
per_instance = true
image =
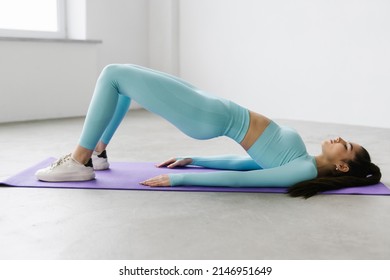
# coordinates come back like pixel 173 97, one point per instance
pixel 164 35
pixel 122 25
pixel 317 60
pixel 39 80
pixel 324 61
pixel 53 79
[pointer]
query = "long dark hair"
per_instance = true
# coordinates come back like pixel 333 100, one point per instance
pixel 362 172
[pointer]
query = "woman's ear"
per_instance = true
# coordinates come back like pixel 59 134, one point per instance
pixel 342 167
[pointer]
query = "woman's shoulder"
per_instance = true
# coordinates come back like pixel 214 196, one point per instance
pixel 307 164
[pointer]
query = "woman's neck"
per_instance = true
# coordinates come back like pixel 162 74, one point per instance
pixel 324 168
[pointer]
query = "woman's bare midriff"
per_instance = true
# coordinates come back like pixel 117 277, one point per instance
pixel 257 124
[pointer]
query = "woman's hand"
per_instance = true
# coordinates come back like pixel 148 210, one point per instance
pixel 163 180
pixel 158 181
pixel 173 162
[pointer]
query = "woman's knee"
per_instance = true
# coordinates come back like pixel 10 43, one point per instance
pixel 111 70
pixel 117 70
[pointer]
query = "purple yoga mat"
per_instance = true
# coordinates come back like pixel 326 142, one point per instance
pixel 127 175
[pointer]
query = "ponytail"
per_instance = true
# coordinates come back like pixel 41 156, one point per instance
pixel 362 173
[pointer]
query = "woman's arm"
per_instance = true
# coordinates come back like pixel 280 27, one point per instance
pixel 283 176
pixel 225 162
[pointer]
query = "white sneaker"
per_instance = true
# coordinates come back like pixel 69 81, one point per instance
pixel 66 169
pixel 100 161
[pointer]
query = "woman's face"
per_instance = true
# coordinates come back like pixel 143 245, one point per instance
pixel 339 151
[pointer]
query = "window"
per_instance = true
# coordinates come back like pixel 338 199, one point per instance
pixel 32 18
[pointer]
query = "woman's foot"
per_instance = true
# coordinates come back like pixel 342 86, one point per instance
pixel 100 161
pixel 66 169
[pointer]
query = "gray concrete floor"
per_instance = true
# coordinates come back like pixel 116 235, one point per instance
pixel 102 224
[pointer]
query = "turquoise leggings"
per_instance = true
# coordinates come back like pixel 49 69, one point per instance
pixel 198 114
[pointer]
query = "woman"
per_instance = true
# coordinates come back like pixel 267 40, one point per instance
pixel 277 155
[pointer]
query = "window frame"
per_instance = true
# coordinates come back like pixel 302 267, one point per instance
pixel 59 34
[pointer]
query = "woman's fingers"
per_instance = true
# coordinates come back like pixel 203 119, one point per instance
pixel 173 162
pixel 158 181
pixel 166 163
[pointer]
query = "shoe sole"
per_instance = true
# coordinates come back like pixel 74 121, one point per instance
pixel 102 167
pixel 66 178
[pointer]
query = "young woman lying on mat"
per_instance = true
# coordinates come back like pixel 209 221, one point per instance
pixel 277 154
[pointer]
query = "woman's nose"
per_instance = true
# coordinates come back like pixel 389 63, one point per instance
pixel 340 140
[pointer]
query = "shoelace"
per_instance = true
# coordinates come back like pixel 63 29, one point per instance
pixel 60 161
